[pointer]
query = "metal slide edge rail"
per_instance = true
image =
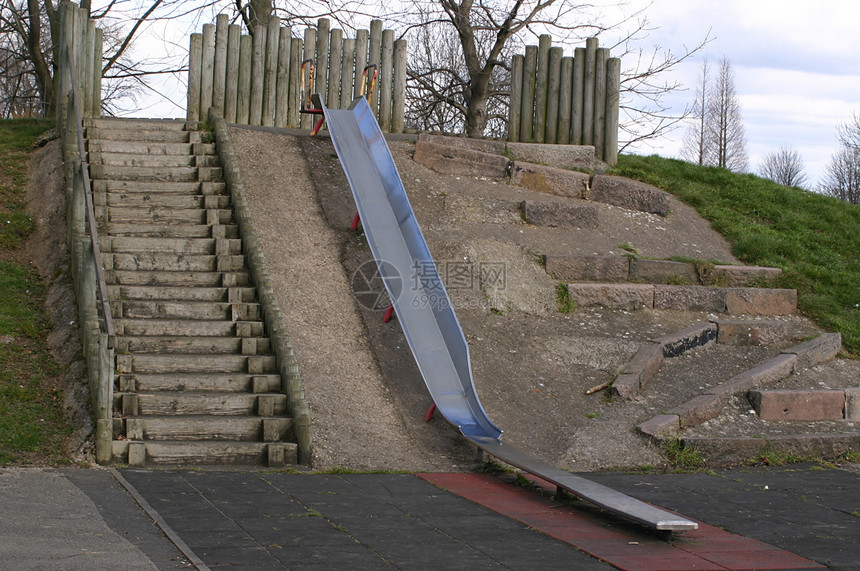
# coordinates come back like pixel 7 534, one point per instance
pixel 424 310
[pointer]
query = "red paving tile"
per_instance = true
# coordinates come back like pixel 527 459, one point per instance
pixel 708 548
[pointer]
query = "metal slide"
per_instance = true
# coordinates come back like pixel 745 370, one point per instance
pixel 426 316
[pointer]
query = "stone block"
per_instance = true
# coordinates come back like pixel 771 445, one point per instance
pixel 550 180
pixel 559 214
pixel 587 268
pixel 815 351
pixel 490 146
pixel 767 373
pixel 560 156
pixel 799 405
pixel 612 296
pixel 852 404
pixel 761 301
pixel 661 426
pixel 679 342
pixel 740 332
pixel 136 454
pixel 625 386
pixel 743 276
pixel 815 445
pixel 700 409
pixel 726 451
pixel 457 160
pixel 628 193
pixel 645 363
pixel 663 272
pixel 689 298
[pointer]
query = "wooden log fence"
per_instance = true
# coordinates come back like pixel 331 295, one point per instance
pixel 566 100
pixel 257 80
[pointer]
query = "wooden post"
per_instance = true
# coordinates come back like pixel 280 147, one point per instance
pixel 195 67
pixel 515 104
pixel 375 57
pixel 309 53
pixel 565 98
pixel 208 73
pixel 89 63
pixel 362 37
pixel 334 67
pixel 600 101
pixel 613 94
pixel 323 39
pixel 270 74
pixel 295 82
pixel 588 92
pixel 528 101
pixel 386 73
pixel 258 75
pixel 541 84
pixel 98 49
pixel 398 113
pixel 231 81
pixel 576 110
pixel 552 102
pixel 220 66
pixel 347 73
pixel 282 96
pixel 243 100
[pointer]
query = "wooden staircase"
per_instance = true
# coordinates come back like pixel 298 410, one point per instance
pixel 196 378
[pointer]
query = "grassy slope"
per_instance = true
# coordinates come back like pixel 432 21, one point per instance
pixel 813 238
pixel 32 429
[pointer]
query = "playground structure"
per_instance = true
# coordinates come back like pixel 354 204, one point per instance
pixel 424 309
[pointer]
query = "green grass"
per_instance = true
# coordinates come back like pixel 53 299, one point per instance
pixel 32 429
pixel 563 299
pixel 813 238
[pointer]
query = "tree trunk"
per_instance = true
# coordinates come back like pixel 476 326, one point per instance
pixel 44 78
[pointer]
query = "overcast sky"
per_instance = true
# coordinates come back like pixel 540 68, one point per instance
pixel 796 65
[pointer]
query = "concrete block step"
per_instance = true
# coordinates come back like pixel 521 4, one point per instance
pixel 205 453
pixel 202 403
pixel 165 200
pixel 160 187
pixel 150 363
pixel 185 345
pixel 152 174
pixel 175 293
pixel 144 148
pixel 196 310
pixel 230 231
pixel 174 262
pixel 185 327
pixel 239 278
pixel 167 215
pixel 115 159
pixel 185 246
pixel 140 124
pixel 211 428
pixel 190 382
pixel 459 160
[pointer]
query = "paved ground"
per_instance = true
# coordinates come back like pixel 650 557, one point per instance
pixel 792 517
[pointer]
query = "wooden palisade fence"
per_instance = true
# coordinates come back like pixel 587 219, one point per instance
pixel 79 58
pixel 566 100
pixel 257 80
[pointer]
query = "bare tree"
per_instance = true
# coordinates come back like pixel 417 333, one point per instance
pixel 726 125
pixel 784 167
pixel 474 83
pixel 696 147
pixel 842 175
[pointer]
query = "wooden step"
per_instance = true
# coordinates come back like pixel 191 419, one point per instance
pixel 238 278
pixel 166 215
pixel 172 344
pixel 109 123
pixel 148 136
pixel 206 453
pixel 190 382
pixel 150 363
pixel 184 246
pixel 164 200
pixel 229 231
pixel 158 262
pixel 211 328
pixel 194 310
pixel 213 428
pixel 211 294
pixel 191 187
pixel 203 403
